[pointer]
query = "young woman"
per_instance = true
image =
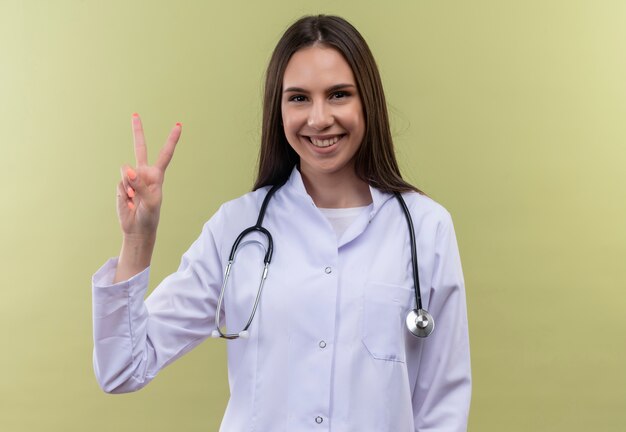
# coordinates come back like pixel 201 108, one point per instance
pixel 327 347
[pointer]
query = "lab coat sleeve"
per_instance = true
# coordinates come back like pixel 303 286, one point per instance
pixel 133 338
pixel 442 395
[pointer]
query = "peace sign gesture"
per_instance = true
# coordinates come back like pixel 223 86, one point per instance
pixel 139 193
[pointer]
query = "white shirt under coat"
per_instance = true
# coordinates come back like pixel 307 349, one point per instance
pixel 328 348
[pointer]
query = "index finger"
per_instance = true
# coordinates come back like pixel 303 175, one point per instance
pixel 141 154
pixel 166 153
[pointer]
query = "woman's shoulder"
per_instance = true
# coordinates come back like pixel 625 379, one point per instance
pixel 430 218
pixel 245 207
pixel 249 200
pixel 423 206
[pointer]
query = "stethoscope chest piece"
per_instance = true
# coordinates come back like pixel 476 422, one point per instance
pixel 420 323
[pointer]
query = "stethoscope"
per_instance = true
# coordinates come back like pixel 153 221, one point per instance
pixel 418 321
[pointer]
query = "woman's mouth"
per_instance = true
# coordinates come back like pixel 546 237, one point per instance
pixel 326 142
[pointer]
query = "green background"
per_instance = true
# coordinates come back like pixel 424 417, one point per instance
pixel 510 114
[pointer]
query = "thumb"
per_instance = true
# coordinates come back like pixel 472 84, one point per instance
pixel 124 201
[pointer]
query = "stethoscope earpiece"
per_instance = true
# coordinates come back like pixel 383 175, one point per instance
pixel 420 323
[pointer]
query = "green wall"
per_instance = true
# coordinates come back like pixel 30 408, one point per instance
pixel 511 114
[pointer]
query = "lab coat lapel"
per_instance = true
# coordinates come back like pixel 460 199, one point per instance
pixel 379 198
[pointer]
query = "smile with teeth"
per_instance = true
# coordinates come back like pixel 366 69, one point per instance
pixel 325 142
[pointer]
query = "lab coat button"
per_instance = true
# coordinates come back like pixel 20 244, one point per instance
pixel 322 344
pixel 318 419
pixel 328 270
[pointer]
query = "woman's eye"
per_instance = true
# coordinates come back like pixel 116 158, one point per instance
pixel 297 98
pixel 340 95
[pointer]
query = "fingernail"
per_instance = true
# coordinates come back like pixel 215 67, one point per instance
pixel 179 124
pixel 131 174
pixel 135 115
pixel 131 205
pixel 131 192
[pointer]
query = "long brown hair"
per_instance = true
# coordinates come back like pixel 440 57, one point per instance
pixel 375 161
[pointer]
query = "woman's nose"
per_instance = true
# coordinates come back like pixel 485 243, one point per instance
pixel 320 117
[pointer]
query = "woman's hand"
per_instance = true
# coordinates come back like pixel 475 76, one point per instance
pixel 139 196
pixel 139 193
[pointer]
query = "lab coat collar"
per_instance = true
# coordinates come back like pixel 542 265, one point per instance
pixel 295 184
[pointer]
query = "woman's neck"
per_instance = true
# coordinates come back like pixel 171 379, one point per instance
pixel 338 190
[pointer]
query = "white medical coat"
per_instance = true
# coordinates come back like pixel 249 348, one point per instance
pixel 328 348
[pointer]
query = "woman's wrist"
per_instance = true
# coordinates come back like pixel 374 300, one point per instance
pixel 135 256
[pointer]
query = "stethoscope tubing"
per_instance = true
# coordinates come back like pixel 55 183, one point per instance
pixel 419 322
pixel 269 251
pixel 416 280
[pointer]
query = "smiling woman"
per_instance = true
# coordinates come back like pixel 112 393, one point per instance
pixel 326 342
pixel 324 124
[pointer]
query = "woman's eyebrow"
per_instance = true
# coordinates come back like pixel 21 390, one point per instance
pixel 329 90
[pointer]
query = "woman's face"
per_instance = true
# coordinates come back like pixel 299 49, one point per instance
pixel 322 112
